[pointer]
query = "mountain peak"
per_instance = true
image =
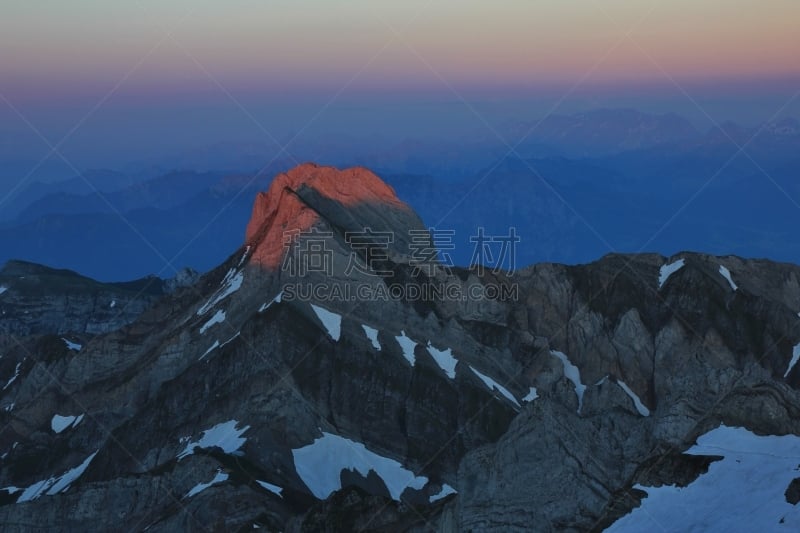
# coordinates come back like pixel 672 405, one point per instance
pixel 296 200
pixel 349 187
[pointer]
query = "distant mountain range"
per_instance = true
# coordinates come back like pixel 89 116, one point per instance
pixel 605 131
pixel 578 186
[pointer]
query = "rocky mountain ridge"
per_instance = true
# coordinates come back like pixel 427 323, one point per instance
pixel 235 403
pixel 35 299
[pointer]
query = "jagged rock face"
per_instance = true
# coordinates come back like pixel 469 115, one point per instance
pixel 234 403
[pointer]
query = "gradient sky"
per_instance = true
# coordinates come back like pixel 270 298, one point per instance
pixel 307 44
pixel 283 59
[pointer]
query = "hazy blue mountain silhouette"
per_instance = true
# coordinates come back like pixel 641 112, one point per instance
pixel 683 192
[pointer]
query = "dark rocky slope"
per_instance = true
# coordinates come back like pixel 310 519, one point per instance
pixel 229 405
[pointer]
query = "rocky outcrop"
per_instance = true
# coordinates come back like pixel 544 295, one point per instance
pixel 793 491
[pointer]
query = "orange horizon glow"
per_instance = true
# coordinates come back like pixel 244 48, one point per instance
pixel 417 44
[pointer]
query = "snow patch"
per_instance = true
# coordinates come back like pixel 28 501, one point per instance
pixel 447 490
pixel 60 423
pixel 445 360
pixel 225 435
pixel 6 455
pixel 742 492
pixel 331 321
pixel 270 487
pixel 493 385
pixel 668 270
pixel 14 377
pixel 532 395
pixel 642 408
pixel 72 345
pixel 372 335
pixel 211 349
pixel 795 358
pixel 218 318
pixel 113 304
pixel 572 373
pixel 217 345
pixel 267 305
pixel 407 346
pixel 231 339
pixel 70 476
pixel 3 289
pixel 727 275
pixel 232 283
pixel 200 487
pixel 53 485
pixel 244 256
pixel 320 465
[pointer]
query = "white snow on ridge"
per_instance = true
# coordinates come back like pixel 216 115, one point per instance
pixel 668 270
pixel 244 256
pixel 637 402
pixel 52 485
pixel 267 305
pixel 60 423
pixel 727 275
pixel 493 385
pixel 742 492
pixel 72 345
pixel 14 377
pixel 218 318
pixel 70 476
pixel 3 289
pixel 270 487
pixel 445 360
pixel 113 304
pixel 532 395
pixel 447 490
pixel 200 487
pixel 795 358
pixel 229 275
pixel 211 349
pixel 320 465
pixel 217 345
pixel 372 335
pixel 408 347
pixel 232 283
pixel 3 456
pixel 231 339
pixel 225 435
pixel 332 321
pixel 572 373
